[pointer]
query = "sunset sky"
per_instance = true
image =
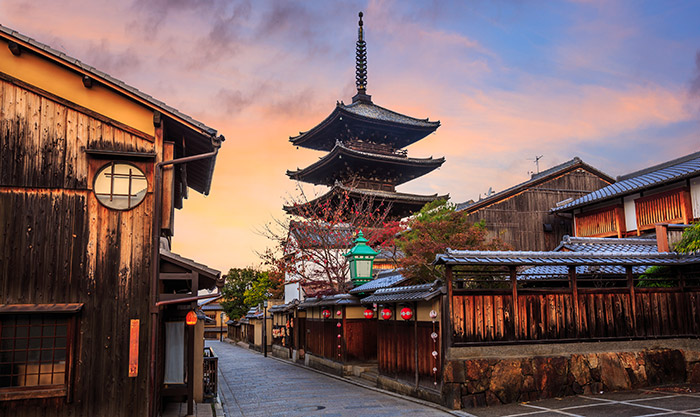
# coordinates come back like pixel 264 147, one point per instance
pixel 615 83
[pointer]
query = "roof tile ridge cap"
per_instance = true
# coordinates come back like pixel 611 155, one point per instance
pixel 659 167
pixel 426 120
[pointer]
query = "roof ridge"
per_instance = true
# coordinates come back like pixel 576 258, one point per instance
pixel 658 167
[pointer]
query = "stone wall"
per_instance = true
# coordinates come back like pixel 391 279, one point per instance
pixel 477 382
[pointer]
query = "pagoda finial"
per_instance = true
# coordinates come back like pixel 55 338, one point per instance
pixel 361 65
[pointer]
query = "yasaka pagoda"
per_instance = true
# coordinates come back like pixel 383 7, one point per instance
pixel 366 156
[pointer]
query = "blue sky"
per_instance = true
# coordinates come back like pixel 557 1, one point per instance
pixel 608 81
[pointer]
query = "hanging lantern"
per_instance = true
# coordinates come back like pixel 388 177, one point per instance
pixel 191 318
pixel 369 313
pixel 338 324
pixel 361 258
pixel 326 314
pixel 386 313
pixel 434 336
pixel 433 314
pixel 406 313
pixel 338 313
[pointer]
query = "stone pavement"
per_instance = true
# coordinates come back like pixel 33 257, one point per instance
pixel 251 385
pixel 661 401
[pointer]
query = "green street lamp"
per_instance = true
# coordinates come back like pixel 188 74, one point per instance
pixel 361 258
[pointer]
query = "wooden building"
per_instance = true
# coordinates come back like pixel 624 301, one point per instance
pixel 215 326
pixel 515 321
pixel 521 216
pixel 284 330
pixel 668 193
pixel 92 300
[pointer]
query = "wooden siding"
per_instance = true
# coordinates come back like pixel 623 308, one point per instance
pixel 605 222
pixel 396 350
pixel 564 314
pixel 669 207
pixel 519 220
pixel 60 245
pixel 358 341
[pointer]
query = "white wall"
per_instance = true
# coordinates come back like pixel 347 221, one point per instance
pixel 630 214
pixel 695 196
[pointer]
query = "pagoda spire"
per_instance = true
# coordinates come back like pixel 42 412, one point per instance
pixel 361 65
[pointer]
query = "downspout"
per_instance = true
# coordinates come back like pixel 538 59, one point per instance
pixel 155 254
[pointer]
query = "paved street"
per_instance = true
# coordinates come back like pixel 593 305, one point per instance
pixel 252 385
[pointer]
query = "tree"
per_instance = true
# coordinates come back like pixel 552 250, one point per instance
pixel 308 247
pixel 247 287
pixel 435 228
pixel 690 241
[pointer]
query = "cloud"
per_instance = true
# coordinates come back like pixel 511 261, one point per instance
pixel 695 81
pixel 100 55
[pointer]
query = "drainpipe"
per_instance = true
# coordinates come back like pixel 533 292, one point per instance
pixel 155 253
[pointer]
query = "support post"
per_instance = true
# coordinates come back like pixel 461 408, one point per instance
pixel 447 310
pixel 633 298
pixel 415 341
pixel 264 331
pixel 573 284
pixel 516 316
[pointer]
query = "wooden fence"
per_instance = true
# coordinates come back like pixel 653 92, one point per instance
pixel 627 311
pixel 358 341
pixel 397 344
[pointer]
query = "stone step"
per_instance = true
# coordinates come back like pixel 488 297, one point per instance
pixel 370 376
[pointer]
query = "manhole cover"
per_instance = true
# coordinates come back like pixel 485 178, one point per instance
pixel 311 408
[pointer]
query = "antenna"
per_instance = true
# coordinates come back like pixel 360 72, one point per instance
pixel 537 164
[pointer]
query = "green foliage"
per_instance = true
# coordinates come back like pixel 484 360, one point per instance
pixel 690 242
pixel 434 229
pixel 245 288
pixel 657 276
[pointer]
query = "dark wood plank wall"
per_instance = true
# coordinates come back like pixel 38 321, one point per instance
pixel 361 339
pixel 550 314
pixel 396 346
pixel 59 245
pixel 519 220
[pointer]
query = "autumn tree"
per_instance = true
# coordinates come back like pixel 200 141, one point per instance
pixel 247 287
pixel 435 228
pixel 308 247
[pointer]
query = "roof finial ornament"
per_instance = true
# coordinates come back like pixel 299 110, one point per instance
pixel 361 65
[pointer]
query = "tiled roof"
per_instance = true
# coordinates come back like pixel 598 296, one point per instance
pixel 423 292
pixel 385 279
pixel 308 302
pixel 60 56
pixel 658 175
pixel 505 258
pixel 316 235
pixel 318 172
pixel 283 308
pixel 543 176
pixel 596 244
pixel 338 300
pixel 561 271
pixel 372 111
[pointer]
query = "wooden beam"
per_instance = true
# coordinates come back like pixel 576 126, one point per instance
pixel 633 301
pixel 574 295
pixel 514 287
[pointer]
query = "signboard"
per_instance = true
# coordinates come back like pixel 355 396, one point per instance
pixel 134 349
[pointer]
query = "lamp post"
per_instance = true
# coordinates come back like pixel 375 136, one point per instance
pixel 221 332
pixel 361 258
pixel 264 338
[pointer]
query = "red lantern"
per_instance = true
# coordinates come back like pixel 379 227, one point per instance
pixel 369 313
pixel 191 318
pixel 326 314
pixel 386 314
pixel 406 313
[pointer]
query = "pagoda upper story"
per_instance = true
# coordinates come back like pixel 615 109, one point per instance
pixel 365 143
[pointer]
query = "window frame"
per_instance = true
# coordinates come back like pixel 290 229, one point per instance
pixel 103 167
pixel 63 311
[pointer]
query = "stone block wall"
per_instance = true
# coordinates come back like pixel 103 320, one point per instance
pixel 490 381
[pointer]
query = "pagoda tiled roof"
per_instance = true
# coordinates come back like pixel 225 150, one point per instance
pixel 668 172
pixel 331 166
pixel 406 130
pixel 402 203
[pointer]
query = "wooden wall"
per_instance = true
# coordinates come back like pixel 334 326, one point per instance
pixel 396 350
pixel 586 314
pixel 519 220
pixel 58 244
pixel 358 341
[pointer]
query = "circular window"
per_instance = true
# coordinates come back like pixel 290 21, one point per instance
pixel 120 186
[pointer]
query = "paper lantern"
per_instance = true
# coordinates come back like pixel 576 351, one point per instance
pixel 326 314
pixel 338 324
pixel 338 313
pixel 369 313
pixel 406 313
pixel 191 318
pixel 386 314
pixel 433 314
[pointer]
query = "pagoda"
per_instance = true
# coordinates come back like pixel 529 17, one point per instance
pixel 366 158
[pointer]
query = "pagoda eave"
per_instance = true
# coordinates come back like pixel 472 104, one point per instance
pixel 401 132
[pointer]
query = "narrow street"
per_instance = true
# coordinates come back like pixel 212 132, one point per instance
pixel 251 385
